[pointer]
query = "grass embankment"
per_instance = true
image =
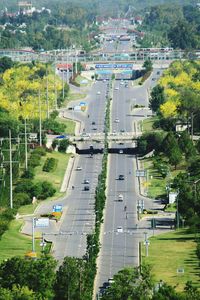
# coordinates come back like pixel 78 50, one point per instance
pixel 74 96
pixel 55 177
pixel 70 125
pixel 147 124
pixel 13 243
pixel 79 80
pixel 156 185
pixel 171 251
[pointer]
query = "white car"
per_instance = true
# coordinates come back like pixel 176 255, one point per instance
pixel 120 197
pixel 116 88
pixel 98 93
pixel 78 168
pixel 119 229
pixel 116 120
pixel 121 151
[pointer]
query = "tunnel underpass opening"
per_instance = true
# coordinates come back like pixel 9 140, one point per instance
pixel 112 150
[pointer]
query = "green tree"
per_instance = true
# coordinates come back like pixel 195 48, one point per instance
pixel 64 143
pixel 70 279
pixel 148 65
pixel 157 98
pixel 5 63
pixel 130 283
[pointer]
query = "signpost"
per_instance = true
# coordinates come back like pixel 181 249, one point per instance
pixel 141 173
pixel 57 208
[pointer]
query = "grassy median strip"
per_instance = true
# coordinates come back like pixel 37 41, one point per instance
pixel 13 243
pixel 171 252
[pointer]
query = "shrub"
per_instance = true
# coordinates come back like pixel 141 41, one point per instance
pixel 34 160
pixel 39 151
pixel 29 173
pixel 24 186
pixel 22 199
pixel 55 143
pixel 63 145
pixel 50 164
pixel 43 190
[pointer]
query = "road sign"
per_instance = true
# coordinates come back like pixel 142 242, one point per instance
pixel 57 208
pixel 42 222
pixel 141 173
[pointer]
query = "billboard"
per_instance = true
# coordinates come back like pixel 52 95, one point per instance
pixel 114 66
pixel 57 208
pixel 42 222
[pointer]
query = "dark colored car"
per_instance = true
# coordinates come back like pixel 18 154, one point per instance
pixel 86 188
pixel 121 177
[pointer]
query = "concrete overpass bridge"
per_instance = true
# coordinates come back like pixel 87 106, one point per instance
pixel 137 55
pixel 111 137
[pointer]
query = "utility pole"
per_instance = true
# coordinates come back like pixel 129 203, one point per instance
pixel 67 66
pixel 55 87
pixel 76 62
pixel 40 120
pixel 11 179
pixel 33 235
pixel 26 151
pixel 63 82
pixel 47 92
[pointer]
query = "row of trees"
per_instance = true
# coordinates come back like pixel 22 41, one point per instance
pixel 45 30
pixel 174 25
pixel 38 279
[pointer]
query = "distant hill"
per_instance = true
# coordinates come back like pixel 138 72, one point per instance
pixel 112 7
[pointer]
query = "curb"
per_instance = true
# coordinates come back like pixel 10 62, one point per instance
pixel 67 176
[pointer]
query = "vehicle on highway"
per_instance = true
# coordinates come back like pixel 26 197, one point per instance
pixel 153 79
pixel 94 128
pixel 116 88
pixel 121 177
pixel 98 93
pixel 119 229
pixel 116 120
pixel 110 281
pixel 93 123
pixel 78 168
pixel 121 151
pixel 120 197
pixel 122 130
pixel 86 181
pixel 86 188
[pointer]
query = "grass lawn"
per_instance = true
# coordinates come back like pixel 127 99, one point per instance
pixel 79 79
pixel 170 251
pixel 70 125
pixel 156 183
pixel 147 124
pixel 13 243
pixel 74 96
pixel 55 177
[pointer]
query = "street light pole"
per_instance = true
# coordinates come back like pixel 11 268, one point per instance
pixel 11 177
pixel 26 151
pixel 40 120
